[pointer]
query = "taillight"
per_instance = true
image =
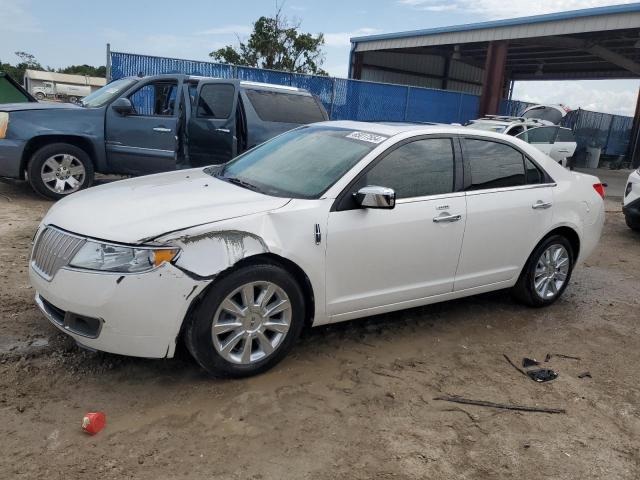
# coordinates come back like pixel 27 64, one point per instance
pixel 599 187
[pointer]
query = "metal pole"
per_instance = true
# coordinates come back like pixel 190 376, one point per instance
pixel 406 103
pixel 333 97
pixel 108 73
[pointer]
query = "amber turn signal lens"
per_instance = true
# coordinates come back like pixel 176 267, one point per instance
pixel 4 124
pixel 165 255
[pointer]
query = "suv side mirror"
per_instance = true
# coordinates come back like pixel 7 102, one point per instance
pixel 123 106
pixel 373 196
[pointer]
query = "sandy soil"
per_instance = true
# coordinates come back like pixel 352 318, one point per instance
pixel 354 400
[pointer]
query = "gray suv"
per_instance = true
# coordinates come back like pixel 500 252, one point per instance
pixel 137 126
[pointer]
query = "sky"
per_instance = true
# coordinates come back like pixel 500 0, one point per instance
pixel 68 32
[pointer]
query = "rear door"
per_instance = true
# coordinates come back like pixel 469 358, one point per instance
pixel 271 112
pixel 145 141
pixel 509 208
pixel 212 125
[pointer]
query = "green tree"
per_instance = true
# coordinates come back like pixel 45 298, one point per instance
pixel 85 70
pixel 277 44
pixel 27 62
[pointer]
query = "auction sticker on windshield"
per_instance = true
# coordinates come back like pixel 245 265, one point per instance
pixel 367 137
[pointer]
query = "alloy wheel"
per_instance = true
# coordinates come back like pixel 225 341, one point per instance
pixel 63 173
pixel 251 322
pixel 551 271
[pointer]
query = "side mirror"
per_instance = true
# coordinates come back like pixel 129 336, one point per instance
pixel 123 106
pixel 373 196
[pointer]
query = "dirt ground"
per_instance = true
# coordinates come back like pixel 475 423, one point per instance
pixel 352 401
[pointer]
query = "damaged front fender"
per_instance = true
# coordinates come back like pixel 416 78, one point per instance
pixel 205 255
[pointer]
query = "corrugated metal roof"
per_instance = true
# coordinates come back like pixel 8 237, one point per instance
pixel 65 78
pixel 576 21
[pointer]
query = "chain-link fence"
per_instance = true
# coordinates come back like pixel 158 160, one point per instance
pixel 347 99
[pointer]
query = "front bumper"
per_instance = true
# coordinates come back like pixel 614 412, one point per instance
pixel 137 314
pixel 11 157
pixel 632 211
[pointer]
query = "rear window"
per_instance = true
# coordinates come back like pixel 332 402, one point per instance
pixel 285 108
pixel 550 114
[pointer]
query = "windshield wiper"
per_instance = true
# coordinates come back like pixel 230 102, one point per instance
pixel 240 182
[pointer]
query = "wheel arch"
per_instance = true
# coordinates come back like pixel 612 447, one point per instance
pixel 36 143
pixel 271 258
pixel 570 234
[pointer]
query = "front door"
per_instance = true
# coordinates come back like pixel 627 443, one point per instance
pixel 540 137
pixel 145 141
pixel 378 258
pixel 212 126
pixel 509 209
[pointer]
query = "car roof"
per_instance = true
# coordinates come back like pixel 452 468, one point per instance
pixel 390 129
pixel 243 83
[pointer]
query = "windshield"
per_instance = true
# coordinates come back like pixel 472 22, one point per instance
pixel 549 114
pixel 105 94
pixel 302 163
pixel 489 127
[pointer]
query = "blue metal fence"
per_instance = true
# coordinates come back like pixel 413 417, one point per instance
pixel 344 99
pixel 347 99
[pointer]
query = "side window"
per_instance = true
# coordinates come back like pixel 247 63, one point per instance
pixel 565 135
pixel 416 169
pixel 216 100
pixel 155 99
pixel 493 165
pixel 534 174
pixel 285 107
pixel 542 135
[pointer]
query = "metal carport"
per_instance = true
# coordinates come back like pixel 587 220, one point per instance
pixel 486 58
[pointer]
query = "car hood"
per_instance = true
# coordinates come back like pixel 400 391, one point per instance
pixel 17 107
pixel 143 208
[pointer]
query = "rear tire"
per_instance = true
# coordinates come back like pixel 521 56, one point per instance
pixel 59 169
pixel 547 272
pixel 232 332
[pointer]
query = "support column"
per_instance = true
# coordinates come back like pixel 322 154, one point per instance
pixel 633 153
pixel 357 66
pixel 493 78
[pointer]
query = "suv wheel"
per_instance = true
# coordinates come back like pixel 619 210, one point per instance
pixel 59 169
pixel 247 322
pixel 547 272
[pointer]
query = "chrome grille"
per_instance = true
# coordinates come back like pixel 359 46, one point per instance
pixel 53 250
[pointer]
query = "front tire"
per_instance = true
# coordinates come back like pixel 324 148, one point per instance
pixel 247 322
pixel 59 169
pixel 546 273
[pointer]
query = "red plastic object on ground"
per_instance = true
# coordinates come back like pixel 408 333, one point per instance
pixel 93 422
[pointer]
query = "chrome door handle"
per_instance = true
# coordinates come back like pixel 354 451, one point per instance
pixel 447 218
pixel 540 205
pixel 223 130
pixel 161 129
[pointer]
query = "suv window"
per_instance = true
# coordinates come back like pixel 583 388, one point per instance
pixel 565 135
pixel 216 100
pixel 540 135
pixel 493 165
pixel 416 169
pixel 155 99
pixel 285 107
pixel 517 130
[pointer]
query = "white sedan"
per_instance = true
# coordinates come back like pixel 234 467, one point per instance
pixel 325 223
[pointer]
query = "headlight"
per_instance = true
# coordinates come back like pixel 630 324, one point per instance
pixel 116 258
pixel 4 124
